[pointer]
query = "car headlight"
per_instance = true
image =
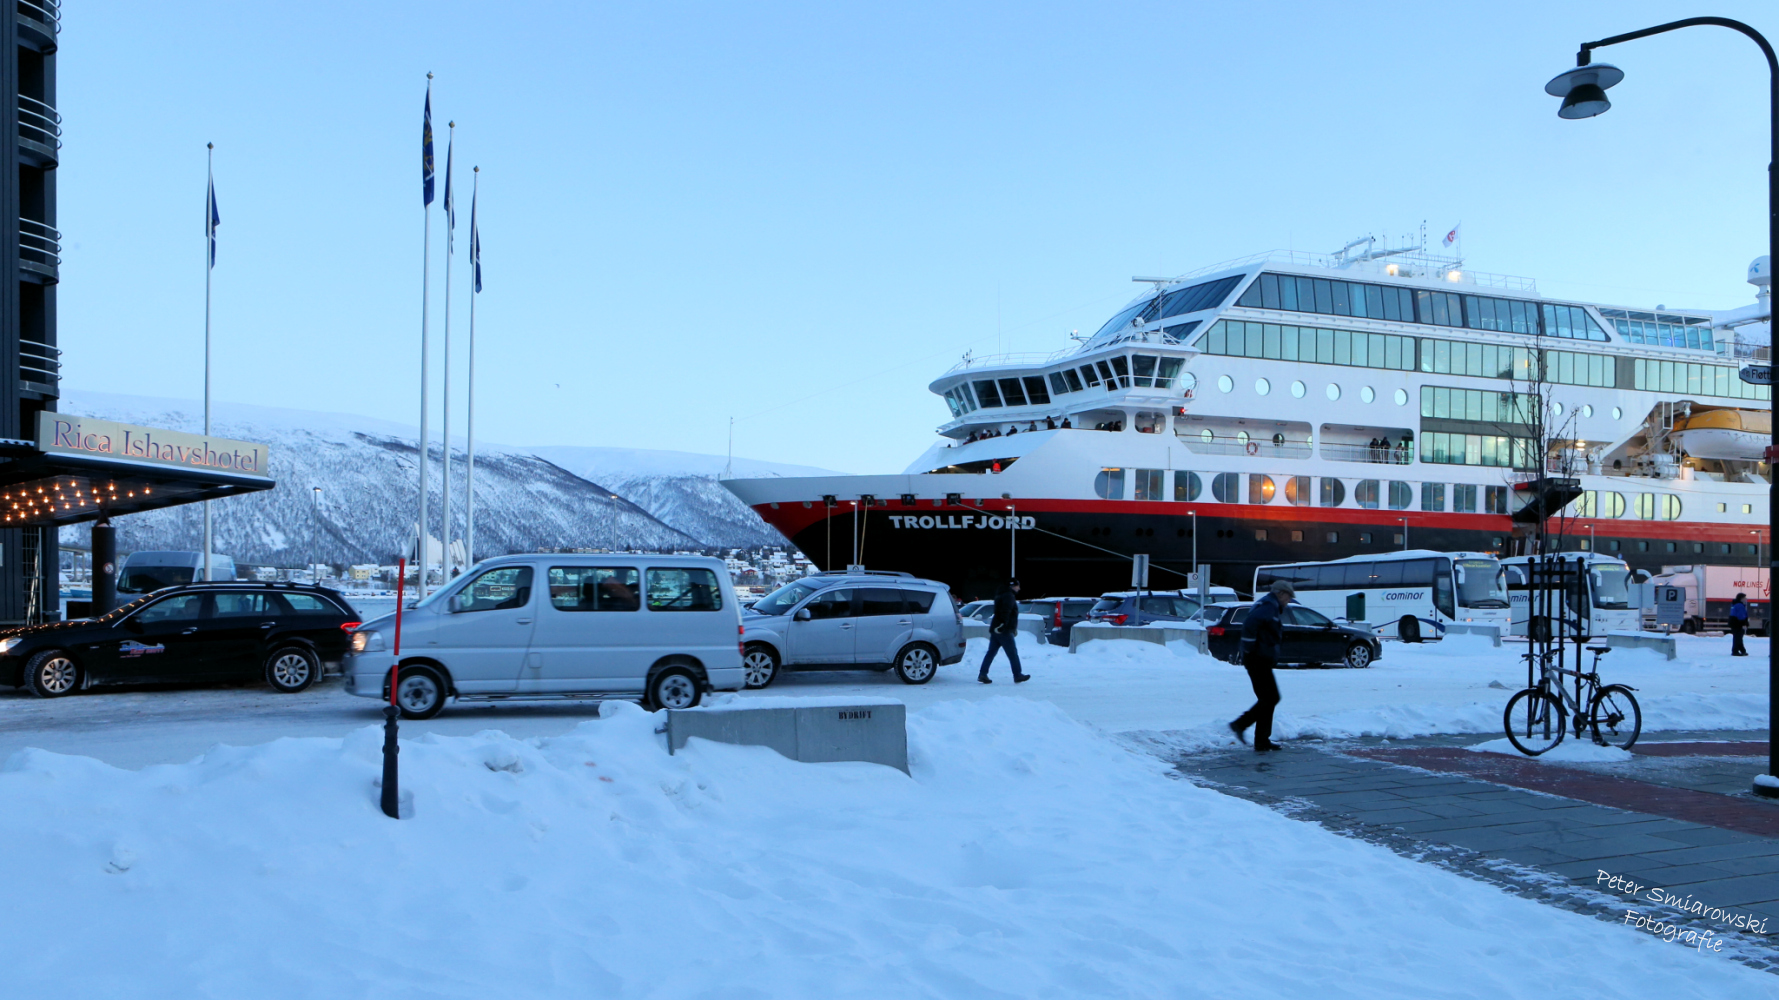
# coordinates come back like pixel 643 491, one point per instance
pixel 8 645
pixel 367 641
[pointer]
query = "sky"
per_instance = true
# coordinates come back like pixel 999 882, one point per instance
pixel 796 215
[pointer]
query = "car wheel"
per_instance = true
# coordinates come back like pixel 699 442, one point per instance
pixel 52 674
pixel 916 664
pixel 1358 656
pixel 291 669
pixel 420 692
pixel 674 687
pixel 759 666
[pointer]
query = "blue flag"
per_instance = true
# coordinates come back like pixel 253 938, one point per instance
pixel 211 221
pixel 475 245
pixel 426 150
pixel 450 206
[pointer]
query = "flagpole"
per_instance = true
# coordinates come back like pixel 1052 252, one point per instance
pixel 445 432
pixel 425 291
pixel 209 269
pixel 475 285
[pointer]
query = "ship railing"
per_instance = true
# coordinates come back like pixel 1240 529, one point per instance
pixel 1391 455
pixel 1420 265
pixel 1256 449
pixel 1007 360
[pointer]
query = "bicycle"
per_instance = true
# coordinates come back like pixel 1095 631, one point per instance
pixel 1536 719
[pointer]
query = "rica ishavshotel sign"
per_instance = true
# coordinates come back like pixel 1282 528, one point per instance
pixel 66 434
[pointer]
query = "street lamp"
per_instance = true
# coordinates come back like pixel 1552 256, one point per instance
pixel 1583 90
pixel 315 517
pixel 1404 521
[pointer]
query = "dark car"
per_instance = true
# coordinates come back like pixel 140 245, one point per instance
pixel 1060 615
pixel 1142 608
pixel 1310 637
pixel 284 633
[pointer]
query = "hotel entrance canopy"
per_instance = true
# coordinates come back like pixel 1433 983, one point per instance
pixel 84 469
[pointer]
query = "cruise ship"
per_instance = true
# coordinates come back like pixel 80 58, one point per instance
pixel 1291 407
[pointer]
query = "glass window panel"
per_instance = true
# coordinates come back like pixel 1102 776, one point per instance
pixel 595 588
pixel 1339 291
pixel 1324 296
pixel 1186 486
pixel 986 392
pixel 1269 291
pixel 1073 378
pixel 1361 350
pixel 1217 341
pixel 1433 496
pixel 1057 385
pixel 1144 369
pixel 1252 344
pixel 1251 298
pixel 1325 346
pixel 1270 341
pixel 1012 392
pixel 1392 304
pixel 1106 372
pixel 1035 392
pixel 1288 292
pixel 1306 295
pixel 1090 375
pixel 1288 341
pixel 1374 301
pixel 1109 484
pixel 1333 492
pixel 1167 372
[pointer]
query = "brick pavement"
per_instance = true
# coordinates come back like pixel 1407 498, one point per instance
pixel 1539 827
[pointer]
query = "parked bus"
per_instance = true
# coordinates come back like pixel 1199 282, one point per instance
pixel 1607 594
pixel 1415 584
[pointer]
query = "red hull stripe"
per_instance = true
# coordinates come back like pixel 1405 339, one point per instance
pixel 791 518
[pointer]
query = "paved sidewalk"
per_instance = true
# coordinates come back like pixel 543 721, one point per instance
pixel 1678 817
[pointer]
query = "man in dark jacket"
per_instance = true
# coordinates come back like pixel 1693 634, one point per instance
pixel 1261 635
pixel 1738 624
pixel 1002 630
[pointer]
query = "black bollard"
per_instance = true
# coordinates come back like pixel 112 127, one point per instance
pixel 391 781
pixel 104 567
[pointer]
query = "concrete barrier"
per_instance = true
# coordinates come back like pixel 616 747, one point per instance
pixel 1159 634
pixel 1493 631
pixel 812 730
pixel 1644 640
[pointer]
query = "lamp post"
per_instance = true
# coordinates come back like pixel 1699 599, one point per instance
pixel 1404 521
pixel 1583 90
pixel 315 518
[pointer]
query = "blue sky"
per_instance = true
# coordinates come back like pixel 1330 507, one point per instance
pixel 797 215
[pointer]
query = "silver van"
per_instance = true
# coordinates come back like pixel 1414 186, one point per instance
pixel 661 629
pixel 846 621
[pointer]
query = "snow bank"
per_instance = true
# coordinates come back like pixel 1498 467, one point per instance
pixel 1027 856
pixel 1574 749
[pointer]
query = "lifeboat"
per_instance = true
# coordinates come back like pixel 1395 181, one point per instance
pixel 1726 434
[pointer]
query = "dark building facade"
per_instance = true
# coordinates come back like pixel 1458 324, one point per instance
pixel 29 272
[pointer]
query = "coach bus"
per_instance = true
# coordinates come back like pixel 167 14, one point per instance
pixel 1607 596
pixel 1397 588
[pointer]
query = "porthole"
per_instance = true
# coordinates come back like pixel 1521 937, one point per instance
pixel 1241 438
pixel 1188 382
pixel 1333 391
pixel 1587 410
pixel 1556 409
pixel 1225 383
pixel 1297 390
pixel 1367 394
pixel 1617 412
pixel 1262 386
pixel 1207 435
pixel 1402 397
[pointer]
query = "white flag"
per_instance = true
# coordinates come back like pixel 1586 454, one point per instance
pixel 1451 237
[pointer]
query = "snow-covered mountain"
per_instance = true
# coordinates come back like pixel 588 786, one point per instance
pixel 526 498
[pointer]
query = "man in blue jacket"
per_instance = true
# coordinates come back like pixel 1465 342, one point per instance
pixel 1738 624
pixel 1003 629
pixel 1261 635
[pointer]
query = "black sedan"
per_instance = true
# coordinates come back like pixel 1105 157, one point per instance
pixel 283 633
pixel 1310 637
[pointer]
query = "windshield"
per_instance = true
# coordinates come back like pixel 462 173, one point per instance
pixel 142 579
pixel 1481 583
pixel 1610 587
pixel 785 598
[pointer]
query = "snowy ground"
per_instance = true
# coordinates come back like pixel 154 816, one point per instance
pixel 1026 856
pixel 1115 687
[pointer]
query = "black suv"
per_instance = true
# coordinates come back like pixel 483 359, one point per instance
pixel 284 633
pixel 1310 637
pixel 1060 615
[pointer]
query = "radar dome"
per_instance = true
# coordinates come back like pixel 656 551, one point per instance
pixel 1761 271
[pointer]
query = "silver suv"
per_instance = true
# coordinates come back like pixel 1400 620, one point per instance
pixel 843 621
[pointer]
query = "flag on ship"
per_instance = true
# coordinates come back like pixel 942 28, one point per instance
pixel 1452 237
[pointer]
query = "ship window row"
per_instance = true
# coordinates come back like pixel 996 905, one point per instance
pixel 1662 329
pixel 1183 486
pixel 1276 342
pixel 1480 405
pixel 1302 343
pixel 1141 371
pixel 1492 450
pixel 1647 506
pixel 1696 380
pixel 1205 295
pixel 1434 308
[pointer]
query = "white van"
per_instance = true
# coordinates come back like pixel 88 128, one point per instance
pixel 662 629
pixel 146 571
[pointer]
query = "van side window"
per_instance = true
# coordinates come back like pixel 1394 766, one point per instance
pixel 833 604
pixel 496 590
pixel 880 601
pixel 308 604
pixel 920 602
pixel 256 605
pixel 179 607
pixel 684 589
pixel 594 588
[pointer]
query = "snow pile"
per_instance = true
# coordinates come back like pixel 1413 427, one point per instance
pixel 1026 857
pixel 1572 750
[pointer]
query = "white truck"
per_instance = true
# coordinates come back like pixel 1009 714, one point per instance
pixel 1709 593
